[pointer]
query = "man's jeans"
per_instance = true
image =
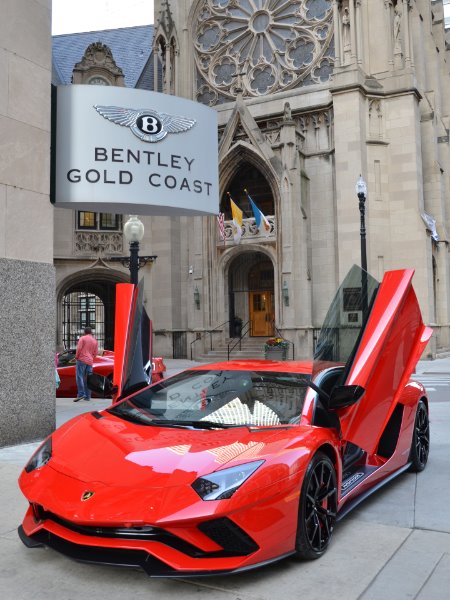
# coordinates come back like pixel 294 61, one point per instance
pixel 83 371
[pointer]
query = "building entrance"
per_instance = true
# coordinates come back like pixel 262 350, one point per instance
pixel 92 305
pixel 261 313
pixel 251 293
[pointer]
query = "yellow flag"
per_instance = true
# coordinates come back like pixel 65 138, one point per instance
pixel 236 212
pixel 237 215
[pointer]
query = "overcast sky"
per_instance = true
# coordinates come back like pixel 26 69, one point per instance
pixel 72 16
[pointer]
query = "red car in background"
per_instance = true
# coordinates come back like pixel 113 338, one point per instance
pixel 103 365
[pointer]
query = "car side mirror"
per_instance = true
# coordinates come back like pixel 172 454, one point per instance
pixel 345 395
pixel 100 385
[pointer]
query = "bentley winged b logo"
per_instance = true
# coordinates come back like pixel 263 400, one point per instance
pixel 146 124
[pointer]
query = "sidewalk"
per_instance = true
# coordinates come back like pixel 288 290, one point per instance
pixel 436 366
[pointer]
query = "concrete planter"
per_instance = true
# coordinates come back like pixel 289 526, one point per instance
pixel 275 353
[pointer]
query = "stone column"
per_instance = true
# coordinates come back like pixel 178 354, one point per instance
pixel 359 36
pixel 337 34
pixel 407 36
pixel 27 289
pixel 352 30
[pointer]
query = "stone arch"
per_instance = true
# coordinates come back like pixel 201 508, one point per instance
pixel 159 57
pixel 232 163
pixel 225 267
pixel 95 283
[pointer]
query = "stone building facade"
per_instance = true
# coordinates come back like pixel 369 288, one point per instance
pixel 309 94
pixel 27 278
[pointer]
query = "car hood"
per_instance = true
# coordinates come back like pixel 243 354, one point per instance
pixel 114 452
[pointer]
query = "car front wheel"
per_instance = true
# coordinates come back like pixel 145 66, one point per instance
pixel 420 446
pixel 317 508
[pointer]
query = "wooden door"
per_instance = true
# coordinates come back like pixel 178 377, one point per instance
pixel 261 313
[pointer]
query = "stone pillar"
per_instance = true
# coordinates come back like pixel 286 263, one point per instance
pixel 350 156
pixel 27 290
pixel 407 40
pixel 359 36
pixel 337 34
pixel 352 30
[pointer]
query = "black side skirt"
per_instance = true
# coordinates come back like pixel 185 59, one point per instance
pixel 358 499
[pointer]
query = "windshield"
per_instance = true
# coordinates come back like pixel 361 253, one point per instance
pixel 216 398
pixel 346 319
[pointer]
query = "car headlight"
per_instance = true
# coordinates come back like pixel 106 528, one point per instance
pixel 222 484
pixel 41 457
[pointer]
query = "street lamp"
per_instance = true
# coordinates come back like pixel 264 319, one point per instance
pixel 361 190
pixel 133 230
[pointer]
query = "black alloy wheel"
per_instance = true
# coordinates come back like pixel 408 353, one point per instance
pixel 420 446
pixel 317 508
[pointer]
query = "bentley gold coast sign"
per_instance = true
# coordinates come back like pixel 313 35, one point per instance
pixel 124 150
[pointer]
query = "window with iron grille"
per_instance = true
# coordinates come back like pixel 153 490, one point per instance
pixel 80 310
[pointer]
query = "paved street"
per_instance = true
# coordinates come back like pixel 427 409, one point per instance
pixel 395 546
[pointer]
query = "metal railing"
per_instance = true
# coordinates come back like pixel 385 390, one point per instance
pixel 244 331
pixel 287 341
pixel 210 331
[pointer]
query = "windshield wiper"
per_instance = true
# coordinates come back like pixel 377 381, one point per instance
pixel 199 424
pixel 128 415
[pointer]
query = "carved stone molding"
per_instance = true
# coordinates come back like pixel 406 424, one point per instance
pixel 90 243
pixel 259 47
pixel 250 232
pixel 98 63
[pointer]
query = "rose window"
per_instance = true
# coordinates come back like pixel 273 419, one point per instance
pixel 261 46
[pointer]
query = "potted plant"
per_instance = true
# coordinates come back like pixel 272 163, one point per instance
pixel 275 349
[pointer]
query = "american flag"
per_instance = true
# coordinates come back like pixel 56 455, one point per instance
pixel 221 223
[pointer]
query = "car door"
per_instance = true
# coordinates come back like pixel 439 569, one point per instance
pixel 382 356
pixel 392 343
pixel 132 340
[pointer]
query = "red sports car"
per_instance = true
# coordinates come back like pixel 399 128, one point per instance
pixel 103 365
pixel 234 465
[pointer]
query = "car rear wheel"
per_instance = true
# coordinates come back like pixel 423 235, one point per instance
pixel 317 508
pixel 420 446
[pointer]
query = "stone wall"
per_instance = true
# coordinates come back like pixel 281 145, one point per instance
pixel 27 371
pixel 27 286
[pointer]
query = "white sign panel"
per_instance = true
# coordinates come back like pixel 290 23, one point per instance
pixel 123 150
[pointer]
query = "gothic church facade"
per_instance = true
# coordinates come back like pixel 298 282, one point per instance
pixel 310 94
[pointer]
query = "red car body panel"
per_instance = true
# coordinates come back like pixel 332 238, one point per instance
pixel 125 306
pixel 386 357
pixel 159 470
pixel 116 491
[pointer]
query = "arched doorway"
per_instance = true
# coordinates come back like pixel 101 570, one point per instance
pixel 88 304
pixel 251 294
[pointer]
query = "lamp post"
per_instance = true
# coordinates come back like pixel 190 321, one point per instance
pixel 133 230
pixel 361 190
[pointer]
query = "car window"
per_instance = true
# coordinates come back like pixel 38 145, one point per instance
pixel 345 319
pixel 225 397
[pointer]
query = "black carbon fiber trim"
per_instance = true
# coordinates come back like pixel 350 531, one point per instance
pixel 229 535
pixel 126 558
pixel 156 534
